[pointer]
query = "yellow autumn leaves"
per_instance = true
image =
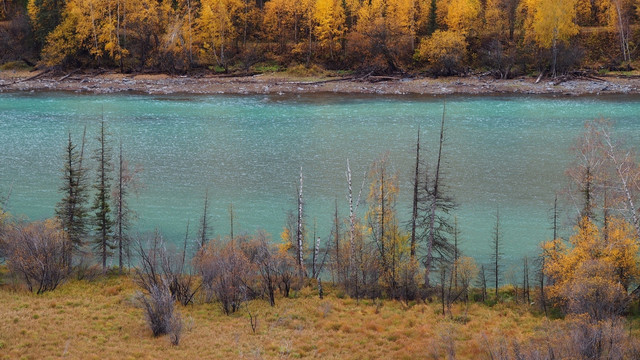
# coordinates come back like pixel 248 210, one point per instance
pixel 375 33
pixel 595 268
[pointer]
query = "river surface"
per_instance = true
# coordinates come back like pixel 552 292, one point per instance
pixel 506 152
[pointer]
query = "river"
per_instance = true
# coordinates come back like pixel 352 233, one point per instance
pixel 506 152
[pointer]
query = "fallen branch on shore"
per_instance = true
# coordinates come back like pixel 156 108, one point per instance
pixel 375 79
pixel 27 79
pixel 368 78
pixel 69 74
pixel 576 76
pixel 326 81
pixel 236 75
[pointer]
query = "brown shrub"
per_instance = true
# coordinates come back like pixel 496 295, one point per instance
pixel 225 271
pixel 160 313
pixel 35 253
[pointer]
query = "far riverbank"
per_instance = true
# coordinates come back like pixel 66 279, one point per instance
pixel 283 83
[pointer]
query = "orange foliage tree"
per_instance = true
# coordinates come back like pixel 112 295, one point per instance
pixel 592 272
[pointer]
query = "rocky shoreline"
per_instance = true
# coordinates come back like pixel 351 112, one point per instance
pixel 285 84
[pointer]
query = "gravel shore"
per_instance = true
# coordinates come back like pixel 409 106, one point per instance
pixel 11 81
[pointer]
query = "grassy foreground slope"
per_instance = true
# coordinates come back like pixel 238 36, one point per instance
pixel 100 320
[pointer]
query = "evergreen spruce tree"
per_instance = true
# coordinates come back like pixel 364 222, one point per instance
pixel 72 208
pixel 102 210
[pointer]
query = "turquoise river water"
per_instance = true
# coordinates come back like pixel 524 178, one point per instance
pixel 501 151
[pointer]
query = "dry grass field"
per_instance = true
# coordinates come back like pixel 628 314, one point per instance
pixel 101 320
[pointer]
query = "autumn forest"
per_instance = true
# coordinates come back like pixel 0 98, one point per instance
pixel 504 38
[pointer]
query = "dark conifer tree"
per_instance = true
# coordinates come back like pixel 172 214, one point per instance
pixel 203 232
pixel 72 208
pixel 103 221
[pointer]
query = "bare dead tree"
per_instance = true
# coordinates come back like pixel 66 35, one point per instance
pixel 587 171
pixel 434 208
pixel 467 272
pixel 435 194
pixel 316 259
pixel 300 230
pixel 541 279
pixel 496 255
pixel 323 259
pixel 416 185
pixel 127 182
pixel 338 267
pixel 354 245
pixel 555 217
pixel 456 252
pixel 443 287
pixel 627 171
pixel 150 251
pixel 315 252
pixel 182 282
pixel 267 262
pixel 159 268
pixel 231 218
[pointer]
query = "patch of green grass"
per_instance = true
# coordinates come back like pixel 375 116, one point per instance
pixel 345 72
pixel 267 67
pixel 15 65
pixel 305 71
pixel 217 69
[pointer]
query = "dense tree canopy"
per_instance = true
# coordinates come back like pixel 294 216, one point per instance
pixel 506 37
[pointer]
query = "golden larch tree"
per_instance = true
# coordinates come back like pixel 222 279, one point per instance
pixel 216 30
pixel 330 29
pixel 551 22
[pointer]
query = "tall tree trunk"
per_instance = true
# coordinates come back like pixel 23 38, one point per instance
pixel 496 252
pixel 554 52
pixel 414 214
pixel 455 251
pixel 231 220
pixel 120 207
pixel 353 208
pixel 434 200
pixel 336 221
pixel 299 229
pixel 555 217
pixel 204 222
